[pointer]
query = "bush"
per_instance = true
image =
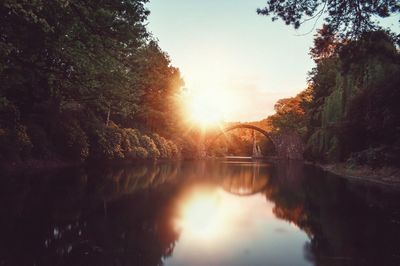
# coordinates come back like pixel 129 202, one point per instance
pixel 107 143
pixel 137 146
pixel 140 153
pixel 173 149
pixel 162 146
pixel 148 144
pixel 130 140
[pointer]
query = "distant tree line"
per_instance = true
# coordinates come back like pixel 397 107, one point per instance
pixel 84 80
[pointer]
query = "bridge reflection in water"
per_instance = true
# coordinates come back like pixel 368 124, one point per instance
pixel 245 179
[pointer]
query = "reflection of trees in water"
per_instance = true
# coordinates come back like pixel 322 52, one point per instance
pixel 344 229
pixel 285 189
pixel 137 230
pixel 109 183
pixel 108 216
pixel 60 219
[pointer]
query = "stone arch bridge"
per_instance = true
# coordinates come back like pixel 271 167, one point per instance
pixel 288 145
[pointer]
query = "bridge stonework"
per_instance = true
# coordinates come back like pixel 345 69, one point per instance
pixel 288 145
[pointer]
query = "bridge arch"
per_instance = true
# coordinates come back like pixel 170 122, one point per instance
pixel 248 126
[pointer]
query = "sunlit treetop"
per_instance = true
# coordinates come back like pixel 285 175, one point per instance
pixel 346 18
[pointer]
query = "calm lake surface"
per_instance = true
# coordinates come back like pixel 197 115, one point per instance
pixel 236 212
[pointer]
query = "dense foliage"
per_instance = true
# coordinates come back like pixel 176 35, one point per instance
pixel 347 18
pixel 354 114
pixel 77 78
pixel 350 110
pixel 290 114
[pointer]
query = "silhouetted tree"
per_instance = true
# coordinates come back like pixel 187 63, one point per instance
pixel 344 17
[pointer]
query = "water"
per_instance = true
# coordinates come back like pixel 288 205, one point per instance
pixel 196 213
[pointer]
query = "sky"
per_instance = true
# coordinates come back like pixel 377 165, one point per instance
pixel 247 61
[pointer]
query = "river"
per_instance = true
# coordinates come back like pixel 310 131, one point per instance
pixel 222 212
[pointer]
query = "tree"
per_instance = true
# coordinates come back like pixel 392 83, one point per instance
pixel 348 18
pixel 75 74
pixel 353 112
pixel 290 113
pixel 161 83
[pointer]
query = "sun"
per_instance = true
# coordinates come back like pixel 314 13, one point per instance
pixel 208 108
pixel 204 108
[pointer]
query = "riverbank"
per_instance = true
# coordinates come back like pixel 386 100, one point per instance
pixel 33 165
pixel 385 176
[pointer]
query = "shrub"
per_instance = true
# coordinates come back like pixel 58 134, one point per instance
pixel 162 146
pixel 130 140
pixel 173 149
pixel 148 144
pixel 140 153
pixel 108 143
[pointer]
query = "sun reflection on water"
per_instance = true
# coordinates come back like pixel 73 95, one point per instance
pixel 204 215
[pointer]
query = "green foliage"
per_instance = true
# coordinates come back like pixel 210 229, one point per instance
pixel 130 139
pixel 356 114
pixel 158 110
pixel 333 108
pixel 79 79
pixel 109 143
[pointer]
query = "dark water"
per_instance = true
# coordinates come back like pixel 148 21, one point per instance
pixel 196 213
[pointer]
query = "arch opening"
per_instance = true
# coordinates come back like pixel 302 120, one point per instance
pixel 223 131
